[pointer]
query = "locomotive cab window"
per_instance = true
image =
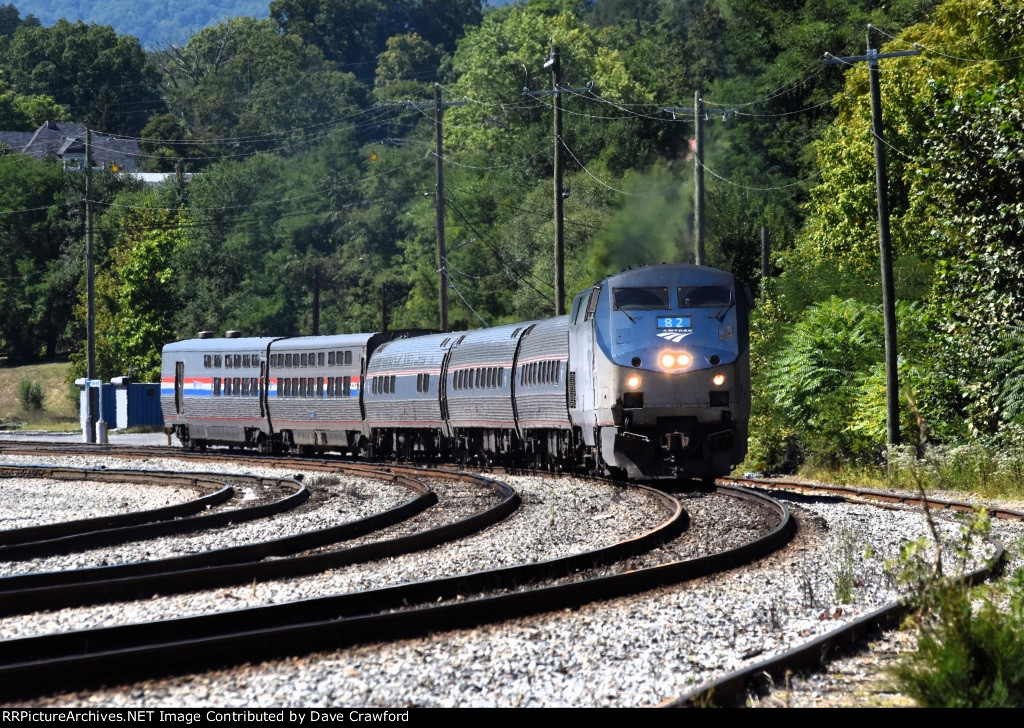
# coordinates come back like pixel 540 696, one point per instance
pixel 577 305
pixel 640 299
pixel 595 295
pixel 705 297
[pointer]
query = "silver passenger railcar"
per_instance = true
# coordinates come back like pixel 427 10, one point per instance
pixel 647 376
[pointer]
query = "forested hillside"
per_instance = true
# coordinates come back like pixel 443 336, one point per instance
pixel 156 23
pixel 310 164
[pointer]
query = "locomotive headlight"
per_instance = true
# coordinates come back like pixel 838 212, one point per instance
pixel 718 380
pixel 669 360
pixel 633 381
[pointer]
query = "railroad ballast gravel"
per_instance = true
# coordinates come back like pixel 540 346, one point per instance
pixel 633 651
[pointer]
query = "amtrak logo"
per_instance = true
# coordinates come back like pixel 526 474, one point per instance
pixel 674 337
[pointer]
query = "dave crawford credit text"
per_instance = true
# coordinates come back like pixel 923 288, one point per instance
pixel 191 717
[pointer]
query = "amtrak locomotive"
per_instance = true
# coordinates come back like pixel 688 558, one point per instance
pixel 647 376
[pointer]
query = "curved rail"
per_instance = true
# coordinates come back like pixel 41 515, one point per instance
pixel 85 525
pixel 132 652
pixel 142 531
pixel 237 565
pixel 730 688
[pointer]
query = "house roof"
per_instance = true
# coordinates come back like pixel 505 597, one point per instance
pixel 60 138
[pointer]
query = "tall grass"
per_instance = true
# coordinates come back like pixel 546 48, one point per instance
pixel 983 469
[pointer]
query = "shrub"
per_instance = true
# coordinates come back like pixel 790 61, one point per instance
pixel 970 650
pixel 30 395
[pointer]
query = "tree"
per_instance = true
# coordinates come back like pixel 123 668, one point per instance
pixel 246 84
pixel 135 292
pixel 30 193
pixel 406 67
pixel 26 113
pixel 352 33
pixel 105 78
pixel 955 185
pixel 163 144
pixel 11 20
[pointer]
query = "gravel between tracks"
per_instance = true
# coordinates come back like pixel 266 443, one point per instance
pixel 631 651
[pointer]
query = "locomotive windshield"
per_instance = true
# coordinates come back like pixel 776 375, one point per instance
pixel 704 296
pixel 640 299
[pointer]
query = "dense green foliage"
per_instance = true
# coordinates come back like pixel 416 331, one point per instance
pixel 952 126
pixel 311 168
pixel 104 79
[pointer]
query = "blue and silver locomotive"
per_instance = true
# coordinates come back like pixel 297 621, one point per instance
pixel 647 376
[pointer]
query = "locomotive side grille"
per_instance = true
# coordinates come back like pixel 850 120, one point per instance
pixel 572 390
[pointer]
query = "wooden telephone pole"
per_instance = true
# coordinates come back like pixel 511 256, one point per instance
pixel 892 387
pixel 700 115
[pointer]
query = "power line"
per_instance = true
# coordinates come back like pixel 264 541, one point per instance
pixel 463 299
pixel 497 253
pixel 591 174
pixel 934 51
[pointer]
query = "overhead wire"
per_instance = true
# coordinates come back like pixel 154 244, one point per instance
pixel 733 183
pixel 948 55
pixel 591 174
pixel 497 253
pixel 451 282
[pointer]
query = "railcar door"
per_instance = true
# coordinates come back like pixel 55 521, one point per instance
pixel 179 386
pixel 262 391
pixel 581 395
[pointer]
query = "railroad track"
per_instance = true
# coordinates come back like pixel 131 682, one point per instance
pixel 732 688
pixel 85 658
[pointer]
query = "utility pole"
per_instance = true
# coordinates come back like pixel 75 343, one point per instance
pixel 555 65
pixel 442 256
pixel 442 261
pixel 316 300
pixel 766 269
pixel 560 193
pixel 892 388
pixel 90 320
pixel 700 115
pixel 698 178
